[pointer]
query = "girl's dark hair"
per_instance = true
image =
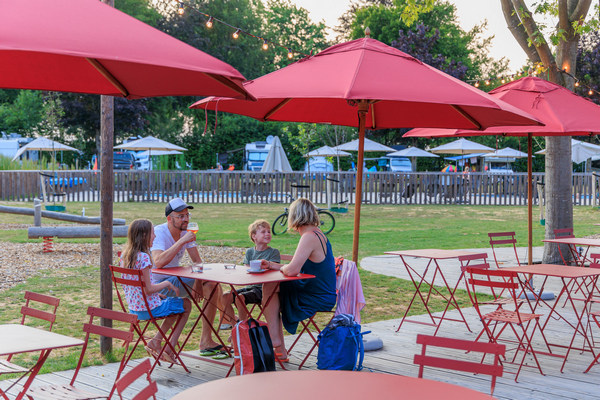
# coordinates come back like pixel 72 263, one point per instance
pixel 138 240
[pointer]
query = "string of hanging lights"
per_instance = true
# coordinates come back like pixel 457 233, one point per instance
pixel 211 20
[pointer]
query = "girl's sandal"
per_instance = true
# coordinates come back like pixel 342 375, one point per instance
pixel 278 357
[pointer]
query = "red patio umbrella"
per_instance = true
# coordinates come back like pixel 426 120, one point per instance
pixel 386 87
pixel 563 113
pixel 86 46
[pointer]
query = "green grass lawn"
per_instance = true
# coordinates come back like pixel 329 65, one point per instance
pixel 383 228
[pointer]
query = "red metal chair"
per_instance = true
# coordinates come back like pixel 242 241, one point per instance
pixel 496 322
pixel 138 282
pixel 31 299
pixel 139 371
pixel 565 233
pixel 596 317
pixel 92 327
pixel 457 362
pixel 502 238
pixel 310 326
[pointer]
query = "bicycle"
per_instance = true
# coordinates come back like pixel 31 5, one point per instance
pixel 327 220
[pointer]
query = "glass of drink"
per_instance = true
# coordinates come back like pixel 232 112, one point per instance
pixel 192 227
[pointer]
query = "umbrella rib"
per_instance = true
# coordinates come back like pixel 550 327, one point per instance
pixel 276 108
pixel 105 73
pixel 466 115
pixel 227 82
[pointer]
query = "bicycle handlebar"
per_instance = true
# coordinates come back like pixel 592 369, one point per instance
pixel 332 180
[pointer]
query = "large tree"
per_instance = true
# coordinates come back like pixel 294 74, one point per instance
pixel 554 50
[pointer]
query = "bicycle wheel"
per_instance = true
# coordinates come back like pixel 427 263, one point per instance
pixel 327 221
pixel 280 225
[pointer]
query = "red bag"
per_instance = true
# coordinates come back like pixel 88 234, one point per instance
pixel 252 347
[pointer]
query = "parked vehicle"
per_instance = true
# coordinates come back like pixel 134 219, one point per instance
pixel 394 164
pixel 123 160
pixel 255 154
pixel 318 164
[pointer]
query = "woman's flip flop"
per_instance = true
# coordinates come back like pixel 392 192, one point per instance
pixel 211 351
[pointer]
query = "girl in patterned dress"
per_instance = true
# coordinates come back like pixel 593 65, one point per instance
pixel 137 256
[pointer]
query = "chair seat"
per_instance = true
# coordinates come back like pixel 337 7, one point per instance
pixel 509 316
pixel 6 367
pixel 62 392
pixel 502 301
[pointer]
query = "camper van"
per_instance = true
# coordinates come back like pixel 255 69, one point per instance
pixel 255 154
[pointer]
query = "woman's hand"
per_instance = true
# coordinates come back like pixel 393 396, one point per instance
pixel 173 288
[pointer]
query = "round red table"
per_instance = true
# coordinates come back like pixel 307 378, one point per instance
pixel 313 385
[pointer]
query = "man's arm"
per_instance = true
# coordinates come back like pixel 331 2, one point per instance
pixel 163 257
pixel 194 254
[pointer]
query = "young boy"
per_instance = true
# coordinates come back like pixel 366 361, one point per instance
pixel 260 234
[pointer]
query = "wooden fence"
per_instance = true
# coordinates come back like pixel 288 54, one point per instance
pixel 254 187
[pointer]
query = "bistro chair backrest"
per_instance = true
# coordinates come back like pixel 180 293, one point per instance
pixel 139 371
pixel 28 310
pixel 595 263
pixel 563 233
pixel 503 238
pixel 459 361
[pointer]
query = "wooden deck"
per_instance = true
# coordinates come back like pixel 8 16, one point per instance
pixel 396 357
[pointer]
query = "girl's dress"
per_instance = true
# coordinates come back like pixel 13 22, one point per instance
pixel 301 299
pixel 135 299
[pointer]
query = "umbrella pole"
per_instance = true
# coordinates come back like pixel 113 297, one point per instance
pixel 363 108
pixel 529 200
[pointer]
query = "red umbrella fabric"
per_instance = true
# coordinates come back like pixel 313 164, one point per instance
pixel 388 89
pixel 86 46
pixel 563 113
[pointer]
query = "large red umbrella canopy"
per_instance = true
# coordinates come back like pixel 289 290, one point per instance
pixel 388 88
pixel 86 46
pixel 563 113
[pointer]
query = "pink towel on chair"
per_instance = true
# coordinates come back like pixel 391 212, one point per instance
pixel 350 298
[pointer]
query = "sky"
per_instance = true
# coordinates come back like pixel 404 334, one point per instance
pixel 470 13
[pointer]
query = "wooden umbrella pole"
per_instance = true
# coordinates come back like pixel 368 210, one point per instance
pixel 529 200
pixel 363 108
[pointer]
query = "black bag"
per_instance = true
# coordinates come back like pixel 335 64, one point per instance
pixel 252 347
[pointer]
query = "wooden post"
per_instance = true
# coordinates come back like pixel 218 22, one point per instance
pixel 37 212
pixel 363 108
pixel 107 128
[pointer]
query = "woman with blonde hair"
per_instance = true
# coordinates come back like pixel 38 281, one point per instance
pixel 136 255
pixel 300 299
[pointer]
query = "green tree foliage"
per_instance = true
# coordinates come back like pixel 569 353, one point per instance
pixel 21 111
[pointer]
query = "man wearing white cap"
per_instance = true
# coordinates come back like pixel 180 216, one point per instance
pixel 172 239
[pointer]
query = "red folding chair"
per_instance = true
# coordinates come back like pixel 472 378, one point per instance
pixel 457 362
pixel 596 317
pixel 92 327
pixel 28 310
pixel 502 238
pixel 565 233
pixel 138 282
pixel 139 371
pixel 496 322
pixel 310 326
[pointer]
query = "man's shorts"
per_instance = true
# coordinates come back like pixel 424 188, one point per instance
pixel 252 294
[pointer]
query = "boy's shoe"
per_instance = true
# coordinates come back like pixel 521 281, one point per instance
pixel 225 327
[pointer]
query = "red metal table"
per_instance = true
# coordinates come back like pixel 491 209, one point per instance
pixel 573 243
pixel 567 274
pixel 218 273
pixel 350 385
pixel 16 339
pixel 434 256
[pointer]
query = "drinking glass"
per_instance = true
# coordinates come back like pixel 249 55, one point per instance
pixel 192 227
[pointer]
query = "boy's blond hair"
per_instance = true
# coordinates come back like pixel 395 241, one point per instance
pixel 258 224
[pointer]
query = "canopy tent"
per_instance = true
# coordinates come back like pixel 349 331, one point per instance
pixel 327 151
pixel 506 152
pixel 43 144
pixel 412 153
pixel 276 160
pixel 370 145
pixel 580 151
pixel 382 86
pixel 461 146
pixel 150 143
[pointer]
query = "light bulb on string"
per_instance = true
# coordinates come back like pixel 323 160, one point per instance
pixel 209 23
pixel 180 10
pixel 487 81
pixel 265 45
pixel 290 54
pixel 590 92
pixel 236 34
pixel 477 84
pixel 503 81
pixel 577 84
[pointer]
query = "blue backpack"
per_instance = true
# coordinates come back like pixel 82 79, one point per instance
pixel 341 345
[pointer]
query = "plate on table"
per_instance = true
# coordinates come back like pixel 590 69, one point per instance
pixel 257 272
